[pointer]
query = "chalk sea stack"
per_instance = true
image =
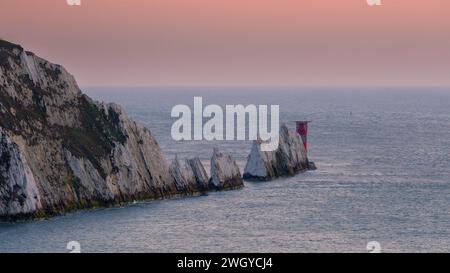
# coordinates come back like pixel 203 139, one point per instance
pixel 60 150
pixel 289 159
pixel 225 173
pixel 190 175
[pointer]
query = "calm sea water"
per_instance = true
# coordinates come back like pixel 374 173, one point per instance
pixel 384 175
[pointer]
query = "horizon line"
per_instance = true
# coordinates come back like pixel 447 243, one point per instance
pixel 265 85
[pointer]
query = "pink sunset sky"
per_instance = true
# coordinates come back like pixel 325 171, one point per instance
pixel 237 42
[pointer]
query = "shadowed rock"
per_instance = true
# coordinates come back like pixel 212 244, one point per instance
pixel 225 173
pixel 201 178
pixel 190 176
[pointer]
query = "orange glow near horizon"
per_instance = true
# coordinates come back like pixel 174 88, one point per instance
pixel 288 42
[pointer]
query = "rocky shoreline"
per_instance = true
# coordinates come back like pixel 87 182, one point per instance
pixel 61 151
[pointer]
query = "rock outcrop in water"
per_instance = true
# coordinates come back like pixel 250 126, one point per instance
pixel 201 178
pixel 190 176
pixel 225 173
pixel 61 151
pixel 289 159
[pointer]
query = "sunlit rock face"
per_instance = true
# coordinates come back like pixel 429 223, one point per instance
pixel 289 159
pixel 60 150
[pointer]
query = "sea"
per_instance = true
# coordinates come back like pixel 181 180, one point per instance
pixel 383 159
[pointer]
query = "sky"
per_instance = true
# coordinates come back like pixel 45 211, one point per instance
pixel 237 42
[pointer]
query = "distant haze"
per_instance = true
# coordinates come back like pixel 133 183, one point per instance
pixel 237 42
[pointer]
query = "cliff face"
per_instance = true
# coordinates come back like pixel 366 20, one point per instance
pixel 289 159
pixel 60 151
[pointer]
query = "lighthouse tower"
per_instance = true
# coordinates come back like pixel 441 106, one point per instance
pixel 302 130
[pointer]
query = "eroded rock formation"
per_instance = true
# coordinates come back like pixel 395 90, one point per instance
pixel 289 159
pixel 60 150
pixel 189 176
pixel 225 173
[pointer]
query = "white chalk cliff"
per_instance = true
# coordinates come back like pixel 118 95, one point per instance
pixel 60 150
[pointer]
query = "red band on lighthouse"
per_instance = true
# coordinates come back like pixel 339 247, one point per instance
pixel 302 130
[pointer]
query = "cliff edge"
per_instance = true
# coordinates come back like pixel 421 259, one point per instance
pixel 60 150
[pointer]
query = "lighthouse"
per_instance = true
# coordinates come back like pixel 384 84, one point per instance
pixel 302 130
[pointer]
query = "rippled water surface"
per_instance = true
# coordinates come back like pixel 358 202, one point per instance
pixel 384 174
